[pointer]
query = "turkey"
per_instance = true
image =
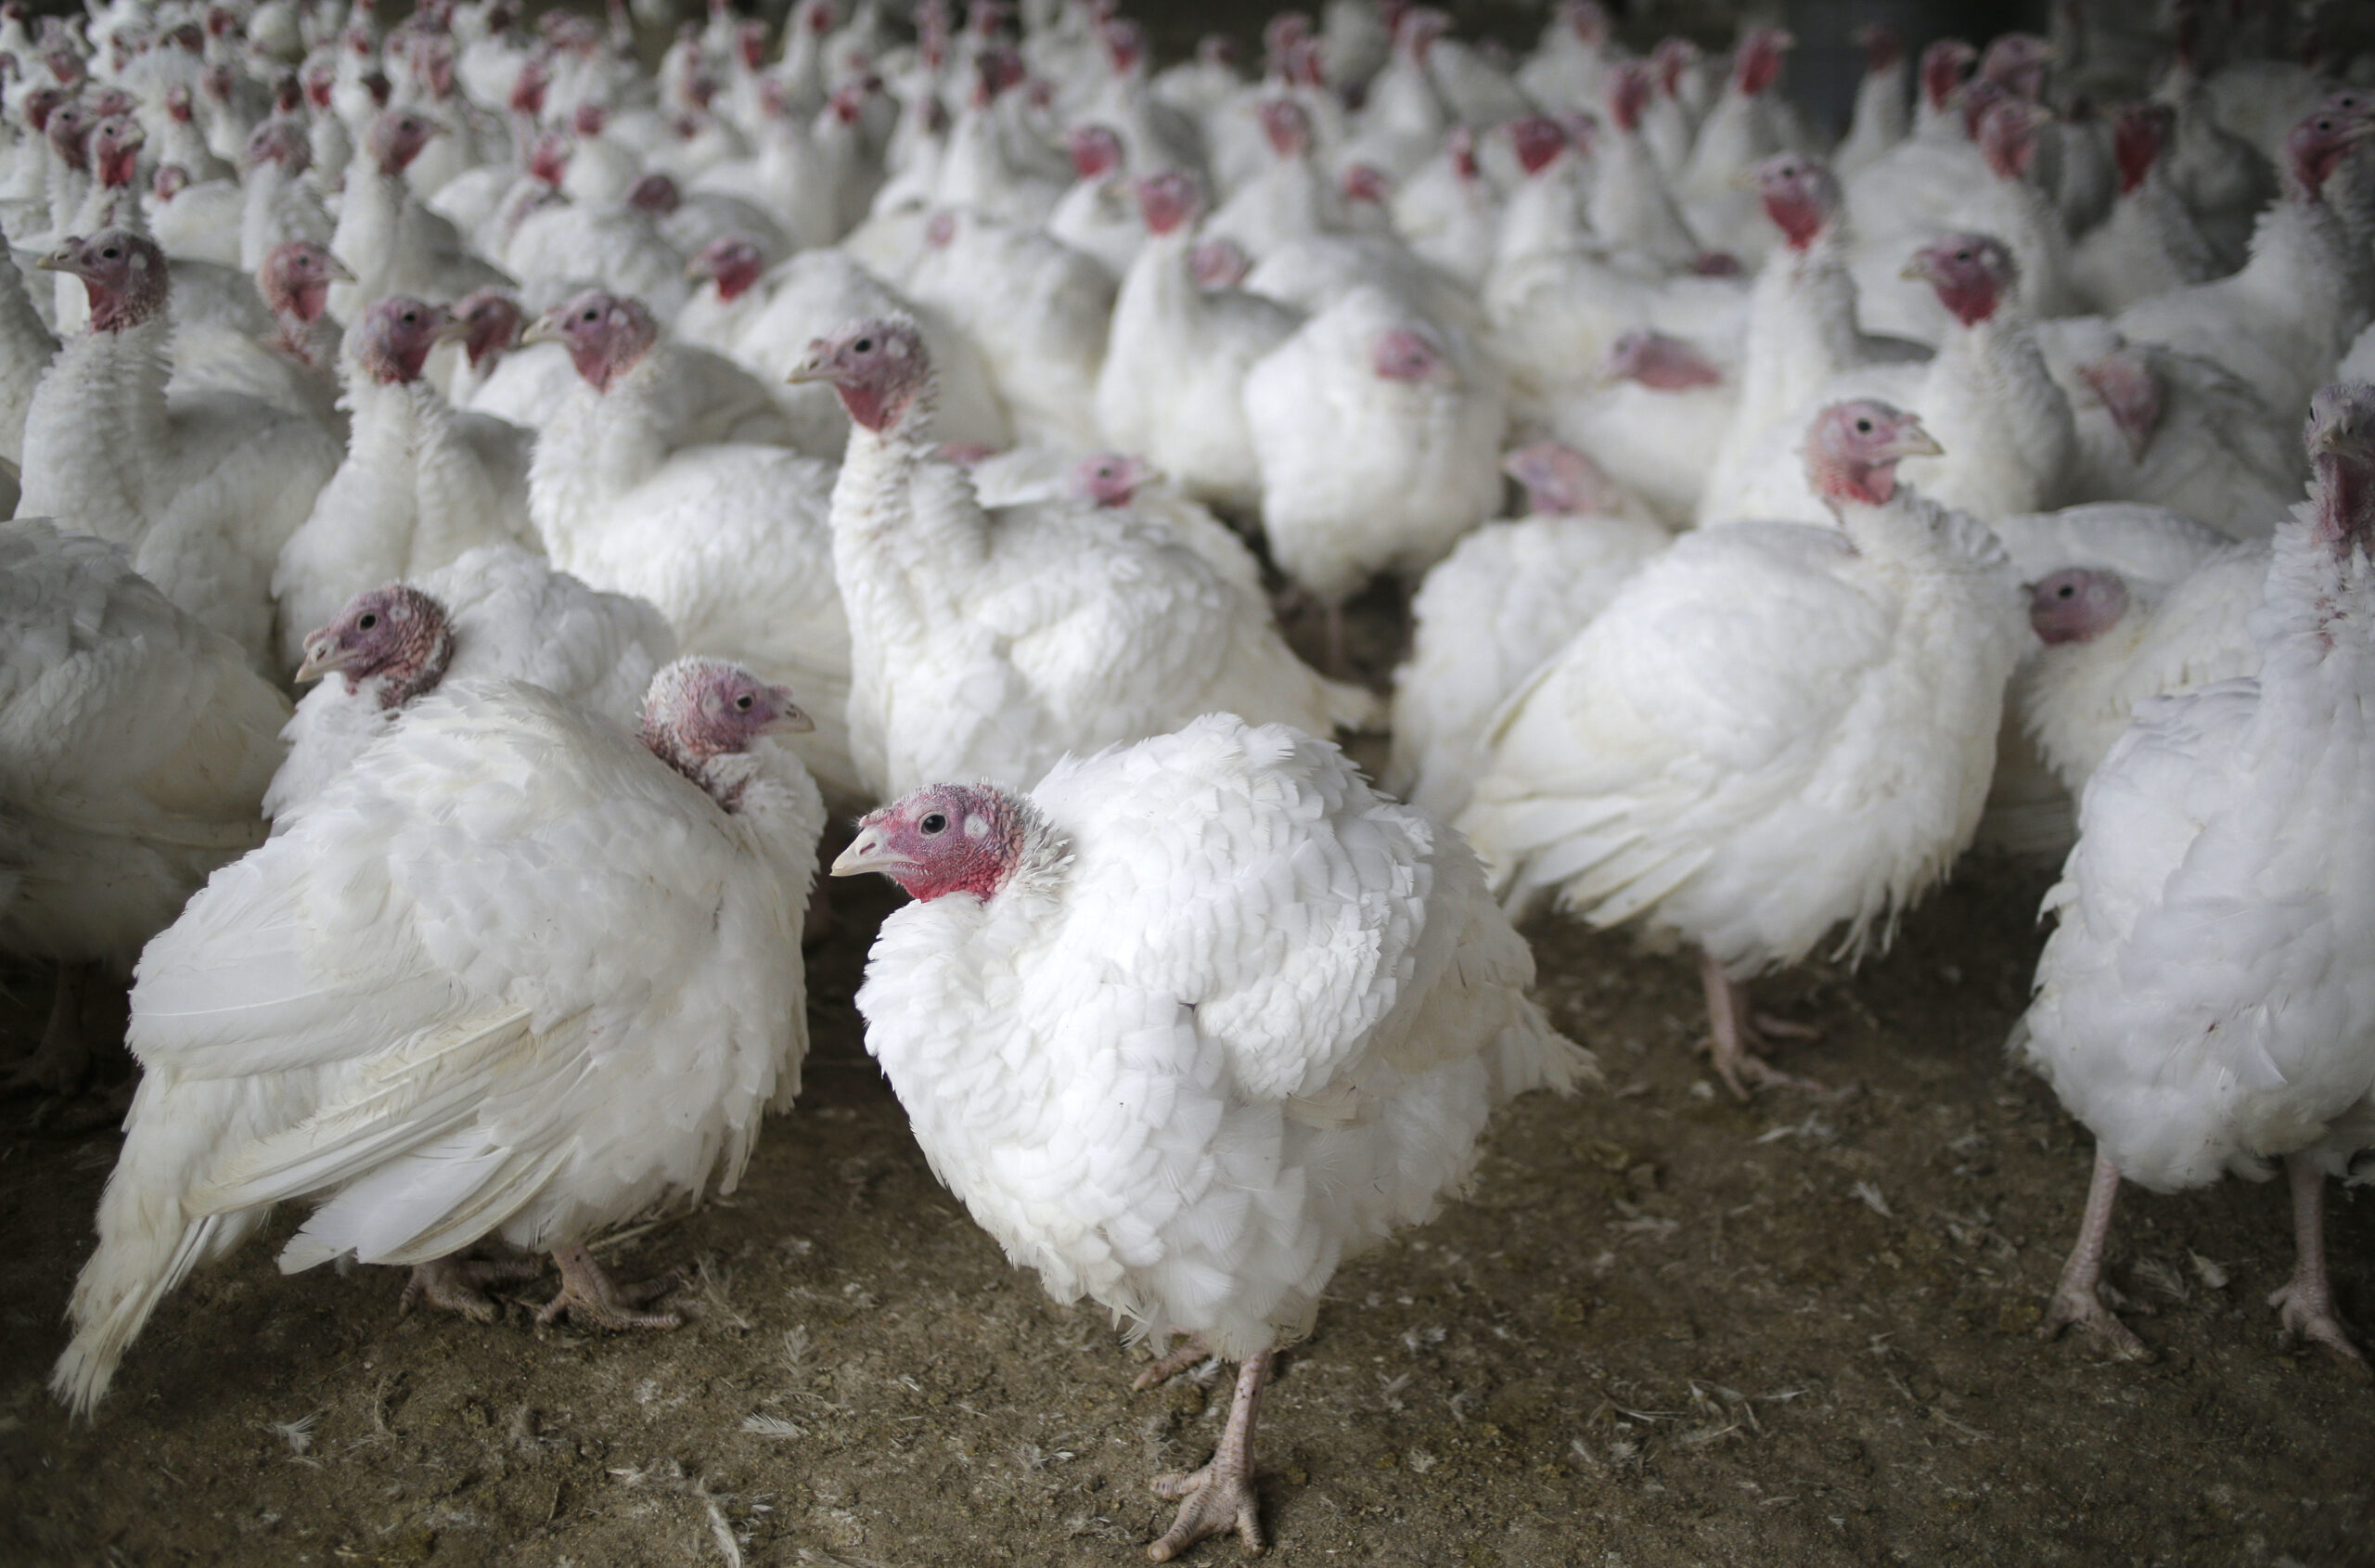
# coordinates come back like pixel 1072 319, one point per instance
pixel 134 748
pixel 393 242
pixel 1208 967
pixel 497 612
pixel 1647 428
pixel 2150 244
pixel 1685 760
pixel 1508 597
pixel 296 368
pixel 731 540
pixel 515 973
pixel 1421 404
pixel 2202 1004
pixel 2112 642
pixel 1173 386
pixel 205 489
pixel 1883 117
pixel 986 647
pixel 421 484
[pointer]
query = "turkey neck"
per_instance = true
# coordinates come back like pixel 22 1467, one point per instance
pixel 366 237
pixel 2306 263
pixel 264 191
pixel 1629 206
pixel 1545 216
pixel 2006 427
pixel 598 446
pixel 909 536
pixel 406 470
pixel 1802 330
pixel 97 421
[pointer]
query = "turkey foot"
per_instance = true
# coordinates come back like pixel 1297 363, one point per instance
pixel 452 1282
pixel 60 1063
pixel 1739 1035
pixel 2078 1297
pixel 1219 1497
pixel 593 1300
pixel 1165 1368
pixel 2307 1301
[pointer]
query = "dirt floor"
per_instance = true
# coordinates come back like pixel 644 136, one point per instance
pixel 1667 1328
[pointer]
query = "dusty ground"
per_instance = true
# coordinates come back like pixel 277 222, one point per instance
pixel 1668 1329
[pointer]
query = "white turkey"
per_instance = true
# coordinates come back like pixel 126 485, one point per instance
pixel 421 484
pixel 1191 1024
pixel 203 489
pixel 393 243
pixel 2203 1004
pixel 1776 730
pixel 517 974
pixel 1508 597
pixel 134 748
pixel 730 539
pixel 498 613
pixel 987 645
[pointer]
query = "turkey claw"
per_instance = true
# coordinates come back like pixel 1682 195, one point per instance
pixel 1208 1506
pixel 2307 1318
pixel 1163 1368
pixel 591 1299
pixel 2083 1310
pixel 453 1284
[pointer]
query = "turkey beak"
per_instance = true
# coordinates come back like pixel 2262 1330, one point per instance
pixel 339 272
pixel 815 366
pixel 323 655
pixel 546 329
pixel 789 719
pixel 867 852
pixel 59 260
pixel 1917 269
pixel 454 329
pixel 1915 441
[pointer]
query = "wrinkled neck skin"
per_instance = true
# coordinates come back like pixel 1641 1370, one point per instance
pixel 726 778
pixel 2317 624
pixel 394 692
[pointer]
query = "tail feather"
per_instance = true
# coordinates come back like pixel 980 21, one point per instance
pixel 119 1288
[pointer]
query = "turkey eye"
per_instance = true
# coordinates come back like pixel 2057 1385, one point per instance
pixel 591 315
pixel 368 622
pixel 1962 255
pixel 1863 427
pixel 110 252
pixel 934 823
pixel 742 703
pixel 2066 591
pixel 864 345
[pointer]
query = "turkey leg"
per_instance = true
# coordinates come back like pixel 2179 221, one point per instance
pixel 2078 1298
pixel 452 1282
pixel 591 1299
pixel 1739 1035
pixel 1219 1497
pixel 60 1063
pixel 2307 1301
pixel 1165 1368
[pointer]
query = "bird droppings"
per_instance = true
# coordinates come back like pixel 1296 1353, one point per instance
pixel 1567 1390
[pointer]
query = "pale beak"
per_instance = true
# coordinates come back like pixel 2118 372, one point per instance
pixel 1917 269
pixel 544 329
pixel 1915 441
pixel 815 366
pixel 322 656
pixel 341 271
pixel 454 331
pixel 59 260
pixel 866 852
pixel 789 719
pixel 698 271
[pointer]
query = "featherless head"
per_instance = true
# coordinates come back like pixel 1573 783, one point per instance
pixel 1365 183
pixel 494 320
pixel 1758 64
pixel 1973 274
pixel 1669 58
pixel 124 272
pixel 1588 19
pixel 2340 439
pixel 942 839
pixel 1407 356
pixel 115 150
pixel 696 710
pixel 396 334
pixel 1096 151
pixel 1280 35
pixel 1538 140
pixel 1944 66
pixel 1853 449
pixel 878 367
pixel 2016 62
pixel 1216 49
pixel 170 181
pixel 319 80
pixel 1218 264
pixel 40 105
pixel 2008 135
pixel 1660 363
pixel 181 105
pixel 733 262
pixel 1882 45
pixel 751 41
pixel 1559 481
pixel 2139 133
pixel 1800 194
pixel 396 635
pixel 1125 46
pixel 296 277
pixel 396 137
pixel 1629 86
pixel 1110 478
pixel 2317 146
pixel 69 133
pixel 2076 605
pixel 607 334
pixel 280 140
pixel 1286 126
pixel 2130 393
pixel 548 157
pixel 1168 201
pixel 1418 30
pixel 656 194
